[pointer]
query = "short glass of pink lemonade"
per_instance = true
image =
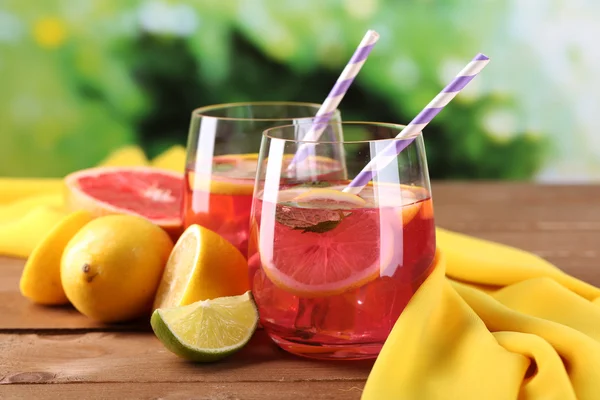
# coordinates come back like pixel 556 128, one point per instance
pixel 222 153
pixel 331 269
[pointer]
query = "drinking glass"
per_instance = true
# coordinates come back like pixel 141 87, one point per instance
pixel 330 270
pixel 222 152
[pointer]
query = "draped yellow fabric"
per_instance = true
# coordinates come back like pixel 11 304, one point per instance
pixel 492 322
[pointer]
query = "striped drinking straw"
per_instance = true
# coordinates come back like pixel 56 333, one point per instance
pixel 414 128
pixel 337 94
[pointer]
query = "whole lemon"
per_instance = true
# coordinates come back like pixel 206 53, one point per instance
pixel 111 268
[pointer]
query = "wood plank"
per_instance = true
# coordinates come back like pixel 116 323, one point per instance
pixel 334 390
pixel 514 193
pixel 510 207
pixel 101 357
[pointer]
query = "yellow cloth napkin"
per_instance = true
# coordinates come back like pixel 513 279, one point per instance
pixel 30 207
pixel 492 323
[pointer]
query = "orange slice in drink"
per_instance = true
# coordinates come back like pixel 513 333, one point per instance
pixel 325 262
pixel 427 209
pixel 404 199
pixel 410 207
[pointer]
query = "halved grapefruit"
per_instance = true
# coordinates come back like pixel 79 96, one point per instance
pixel 152 193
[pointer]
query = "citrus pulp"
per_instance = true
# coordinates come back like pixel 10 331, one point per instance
pixel 203 265
pixel 323 263
pixel 152 193
pixel 207 330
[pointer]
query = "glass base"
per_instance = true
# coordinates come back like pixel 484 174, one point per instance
pixel 350 351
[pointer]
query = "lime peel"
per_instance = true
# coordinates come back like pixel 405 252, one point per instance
pixel 219 326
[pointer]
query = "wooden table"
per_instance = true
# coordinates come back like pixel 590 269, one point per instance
pixel 55 353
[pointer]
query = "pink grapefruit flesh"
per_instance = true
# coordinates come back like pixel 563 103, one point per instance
pixel 153 193
pixel 322 264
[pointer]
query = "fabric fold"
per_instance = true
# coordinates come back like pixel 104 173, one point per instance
pixel 492 322
pixel 440 349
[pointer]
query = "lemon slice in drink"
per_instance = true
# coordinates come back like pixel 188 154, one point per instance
pixel 207 330
pixel 328 198
pixel 409 206
pixel 404 199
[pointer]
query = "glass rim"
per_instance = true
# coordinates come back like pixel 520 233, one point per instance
pixel 391 125
pixel 201 111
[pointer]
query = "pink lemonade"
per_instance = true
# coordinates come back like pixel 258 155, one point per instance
pixel 220 199
pixel 226 214
pixel 331 281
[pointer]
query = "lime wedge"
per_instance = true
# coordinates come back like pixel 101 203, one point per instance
pixel 207 330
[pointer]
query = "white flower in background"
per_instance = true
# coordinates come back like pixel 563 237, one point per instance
pixel 278 41
pixel 26 108
pixel 501 123
pixel 163 18
pixel 404 72
pixel 548 58
pixel 11 28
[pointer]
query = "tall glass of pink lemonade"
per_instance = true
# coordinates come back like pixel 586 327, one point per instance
pixel 332 271
pixel 222 153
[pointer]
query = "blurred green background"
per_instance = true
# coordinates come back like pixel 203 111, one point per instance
pixel 81 78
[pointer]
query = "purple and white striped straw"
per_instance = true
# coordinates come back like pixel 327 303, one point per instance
pixel 337 93
pixel 414 128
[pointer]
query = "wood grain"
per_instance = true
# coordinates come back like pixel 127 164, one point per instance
pixel 139 357
pixel 333 390
pixel 516 207
pixel 84 359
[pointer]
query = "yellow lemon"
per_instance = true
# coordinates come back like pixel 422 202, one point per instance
pixel 111 268
pixel 202 266
pixel 40 281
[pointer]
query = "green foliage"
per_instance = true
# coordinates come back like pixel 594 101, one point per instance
pixel 131 72
pixel 66 100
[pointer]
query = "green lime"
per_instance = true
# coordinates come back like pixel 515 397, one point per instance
pixel 207 330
